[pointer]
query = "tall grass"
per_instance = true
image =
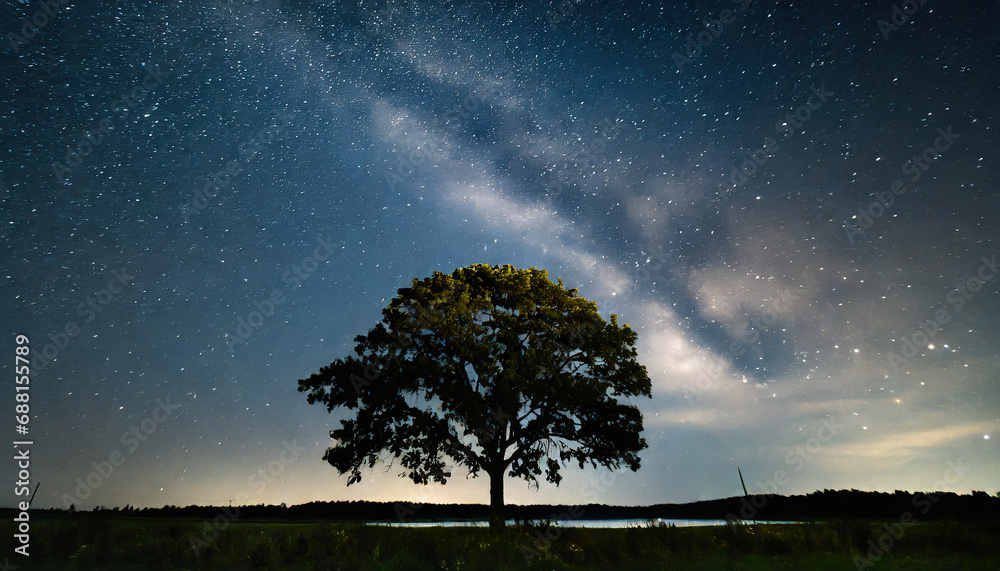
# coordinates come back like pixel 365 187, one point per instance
pixel 158 544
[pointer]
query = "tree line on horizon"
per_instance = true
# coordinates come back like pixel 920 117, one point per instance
pixel 825 504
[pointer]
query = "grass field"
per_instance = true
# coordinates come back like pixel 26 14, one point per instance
pixel 134 543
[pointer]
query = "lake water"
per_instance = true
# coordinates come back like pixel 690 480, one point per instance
pixel 599 523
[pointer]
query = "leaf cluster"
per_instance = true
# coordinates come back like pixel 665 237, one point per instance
pixel 497 369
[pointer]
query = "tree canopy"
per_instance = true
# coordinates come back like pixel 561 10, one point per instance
pixel 499 370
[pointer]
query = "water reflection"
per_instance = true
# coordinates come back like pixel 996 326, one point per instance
pixel 594 523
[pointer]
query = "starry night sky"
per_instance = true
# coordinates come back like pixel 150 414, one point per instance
pixel 167 169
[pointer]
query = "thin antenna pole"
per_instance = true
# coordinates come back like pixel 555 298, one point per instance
pixel 35 492
pixel 742 482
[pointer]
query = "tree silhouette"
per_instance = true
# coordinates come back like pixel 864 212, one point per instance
pixel 497 368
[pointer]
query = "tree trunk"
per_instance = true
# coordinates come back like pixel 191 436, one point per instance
pixel 497 518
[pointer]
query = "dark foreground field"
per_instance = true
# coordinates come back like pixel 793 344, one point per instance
pixel 188 544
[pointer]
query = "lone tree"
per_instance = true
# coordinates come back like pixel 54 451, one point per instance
pixel 496 368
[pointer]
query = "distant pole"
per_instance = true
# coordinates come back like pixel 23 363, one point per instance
pixel 742 482
pixel 35 492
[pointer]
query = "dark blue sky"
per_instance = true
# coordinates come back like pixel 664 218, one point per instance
pixel 204 202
